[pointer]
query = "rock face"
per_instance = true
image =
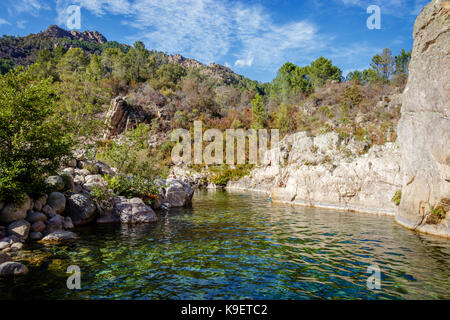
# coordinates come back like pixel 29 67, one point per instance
pixel 121 116
pixel 57 201
pixel 322 172
pixel 19 229
pixel 424 128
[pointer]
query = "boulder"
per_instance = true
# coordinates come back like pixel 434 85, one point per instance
pixel 48 211
pixel 35 236
pixel 424 126
pixel 16 246
pixel 13 212
pixel 59 236
pixel 12 269
pixel 80 209
pixel 104 169
pixel 178 193
pixel 72 163
pixel 94 181
pixel 55 182
pixel 57 201
pixel 54 224
pixel 40 202
pixel 33 216
pixel 132 211
pixel 19 229
pixel 4 245
pixel 38 226
pixel 4 257
pixel 67 224
pixel 69 171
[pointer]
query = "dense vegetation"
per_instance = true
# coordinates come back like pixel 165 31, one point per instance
pixel 65 92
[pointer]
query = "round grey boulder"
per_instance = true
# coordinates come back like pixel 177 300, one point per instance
pixel 57 201
pixel 34 216
pixel 12 269
pixel 80 209
pixel 13 212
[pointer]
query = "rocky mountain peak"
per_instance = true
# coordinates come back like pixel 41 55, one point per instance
pixel 55 31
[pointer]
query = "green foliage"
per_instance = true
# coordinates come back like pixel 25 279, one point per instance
pixel 5 65
pixel 32 138
pixel 73 63
pixel 284 119
pixel 383 64
pixel 321 71
pixel 290 80
pixel 223 174
pixel 397 197
pixel 134 187
pixel 259 114
pixel 168 76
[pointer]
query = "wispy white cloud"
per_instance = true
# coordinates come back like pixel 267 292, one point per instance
pixel 32 7
pixel 208 30
pixel 21 24
pixel 390 7
pixel 3 21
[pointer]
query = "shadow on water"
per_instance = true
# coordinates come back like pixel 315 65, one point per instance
pixel 239 245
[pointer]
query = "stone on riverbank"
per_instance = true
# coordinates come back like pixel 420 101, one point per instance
pixel 12 269
pixel 19 229
pixel 80 209
pixel 132 211
pixel 13 212
pixel 57 201
pixel 4 257
pixel 59 236
pixel 178 194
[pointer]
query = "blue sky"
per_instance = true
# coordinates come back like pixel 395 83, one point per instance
pixel 253 37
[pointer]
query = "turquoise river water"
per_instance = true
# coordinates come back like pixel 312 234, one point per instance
pixel 233 245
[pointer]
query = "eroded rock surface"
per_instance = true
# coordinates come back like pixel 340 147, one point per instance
pixel 424 128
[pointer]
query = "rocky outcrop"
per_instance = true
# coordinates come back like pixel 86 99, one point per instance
pixel 424 127
pixel 178 193
pixel 323 172
pixel 121 116
pixel 89 36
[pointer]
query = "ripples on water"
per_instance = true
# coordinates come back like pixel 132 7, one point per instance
pixel 236 246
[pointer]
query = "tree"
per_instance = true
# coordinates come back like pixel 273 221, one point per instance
pixel 284 119
pixel 356 76
pixel 73 63
pixel 259 114
pixel 321 71
pixel 95 70
pixel 383 65
pixel 401 63
pixel 137 60
pixel 5 66
pixel 371 76
pixel 290 80
pixel 168 76
pixel 32 138
pixel 113 59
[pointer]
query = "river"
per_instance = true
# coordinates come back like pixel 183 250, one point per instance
pixel 233 245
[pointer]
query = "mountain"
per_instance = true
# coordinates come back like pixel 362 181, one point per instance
pixel 24 51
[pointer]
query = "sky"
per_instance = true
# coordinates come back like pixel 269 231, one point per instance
pixel 253 37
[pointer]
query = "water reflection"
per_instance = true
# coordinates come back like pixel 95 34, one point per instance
pixel 237 245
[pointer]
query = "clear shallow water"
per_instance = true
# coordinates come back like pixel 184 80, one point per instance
pixel 236 246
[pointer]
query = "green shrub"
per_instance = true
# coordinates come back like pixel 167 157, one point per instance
pixel 223 174
pixel 33 143
pixel 134 187
pixel 397 197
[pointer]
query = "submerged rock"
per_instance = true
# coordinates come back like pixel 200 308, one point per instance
pixel 12 269
pixel 59 236
pixel 4 257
